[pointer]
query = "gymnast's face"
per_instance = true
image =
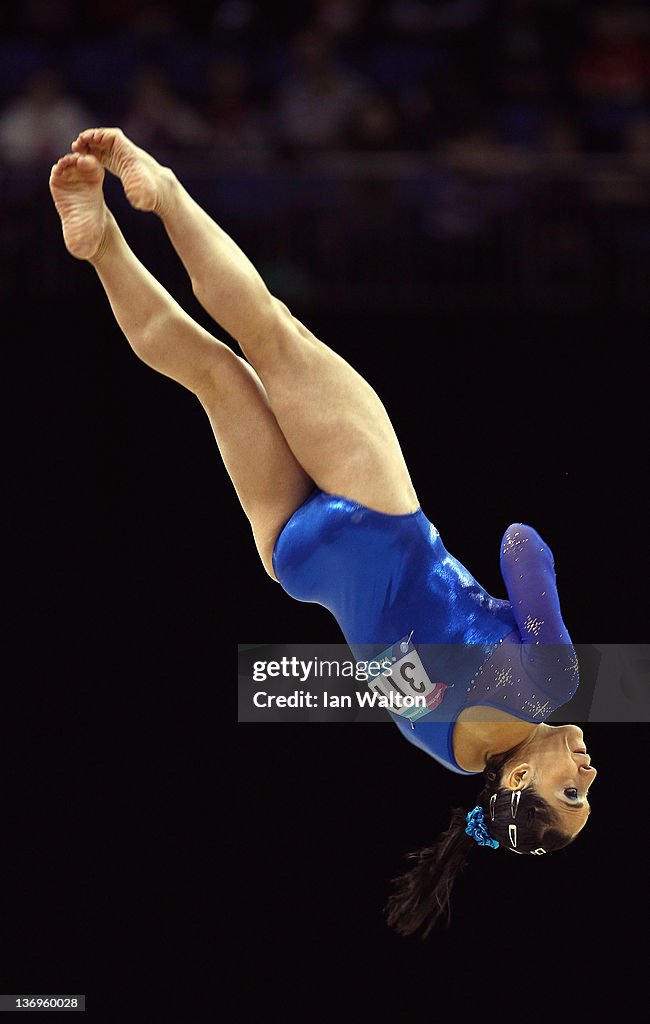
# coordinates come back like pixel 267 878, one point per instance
pixel 556 761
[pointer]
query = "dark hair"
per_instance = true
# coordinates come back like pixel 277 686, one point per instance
pixel 423 894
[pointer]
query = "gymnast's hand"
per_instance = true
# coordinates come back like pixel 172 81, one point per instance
pixel 539 652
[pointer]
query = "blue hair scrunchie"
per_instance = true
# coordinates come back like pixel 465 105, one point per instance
pixel 477 829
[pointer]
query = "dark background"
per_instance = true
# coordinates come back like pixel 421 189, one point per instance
pixel 493 289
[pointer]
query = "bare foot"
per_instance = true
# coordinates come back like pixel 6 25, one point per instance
pixel 143 178
pixel 76 187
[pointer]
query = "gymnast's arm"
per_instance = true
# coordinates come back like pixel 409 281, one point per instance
pixel 544 653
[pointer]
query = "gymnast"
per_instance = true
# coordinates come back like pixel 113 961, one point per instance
pixel 320 475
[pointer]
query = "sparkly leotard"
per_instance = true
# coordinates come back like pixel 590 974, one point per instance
pixel 393 587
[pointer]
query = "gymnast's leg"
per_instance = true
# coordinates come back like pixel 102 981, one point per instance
pixel 333 421
pixel 268 480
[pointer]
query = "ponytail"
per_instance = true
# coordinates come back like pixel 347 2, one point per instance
pixel 422 895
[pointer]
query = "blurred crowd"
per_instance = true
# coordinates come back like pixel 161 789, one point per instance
pixel 556 77
pixel 420 152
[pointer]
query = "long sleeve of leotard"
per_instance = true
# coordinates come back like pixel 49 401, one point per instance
pixel 540 662
pixel 528 571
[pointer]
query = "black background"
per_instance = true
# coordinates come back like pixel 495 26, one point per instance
pixel 157 852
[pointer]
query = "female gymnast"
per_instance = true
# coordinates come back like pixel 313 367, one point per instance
pixel 321 477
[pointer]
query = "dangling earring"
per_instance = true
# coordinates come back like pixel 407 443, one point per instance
pixel 512 835
pixel 514 802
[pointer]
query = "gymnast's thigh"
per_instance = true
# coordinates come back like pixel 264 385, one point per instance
pixel 335 424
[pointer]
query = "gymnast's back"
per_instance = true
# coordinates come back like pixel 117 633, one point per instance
pixel 393 588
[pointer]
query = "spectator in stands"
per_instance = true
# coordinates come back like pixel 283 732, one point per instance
pixel 233 118
pixel 319 98
pixel 39 122
pixel 160 118
pixel 612 75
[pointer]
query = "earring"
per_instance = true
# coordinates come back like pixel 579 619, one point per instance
pixel 514 802
pixel 512 835
pixel 539 851
pixel 493 801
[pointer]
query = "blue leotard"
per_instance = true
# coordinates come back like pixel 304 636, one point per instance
pixel 388 579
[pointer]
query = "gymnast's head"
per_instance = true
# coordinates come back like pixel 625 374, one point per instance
pixel 534 801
